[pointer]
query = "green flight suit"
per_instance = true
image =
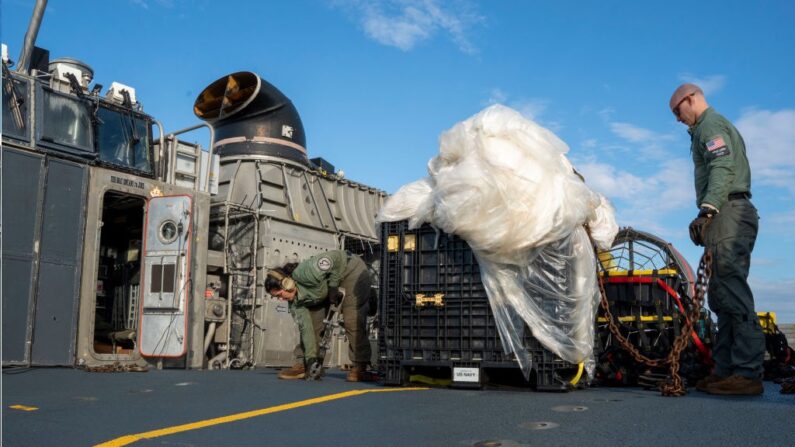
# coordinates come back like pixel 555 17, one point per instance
pixel 313 278
pixel 723 180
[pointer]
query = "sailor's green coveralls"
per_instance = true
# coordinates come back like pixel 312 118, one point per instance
pixel 723 180
pixel 313 278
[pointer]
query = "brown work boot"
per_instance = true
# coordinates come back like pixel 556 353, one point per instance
pixel 735 385
pixel 702 384
pixel 358 373
pixel 294 372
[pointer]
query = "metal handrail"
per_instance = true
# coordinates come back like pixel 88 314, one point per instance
pixel 173 155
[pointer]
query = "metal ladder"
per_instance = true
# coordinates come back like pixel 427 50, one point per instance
pixel 241 279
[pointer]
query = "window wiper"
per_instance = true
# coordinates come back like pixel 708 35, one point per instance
pixel 77 89
pixel 127 102
pixel 135 139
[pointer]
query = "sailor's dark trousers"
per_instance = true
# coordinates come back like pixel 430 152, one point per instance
pixel 740 344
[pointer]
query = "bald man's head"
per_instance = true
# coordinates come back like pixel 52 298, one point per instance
pixel 682 92
pixel 688 103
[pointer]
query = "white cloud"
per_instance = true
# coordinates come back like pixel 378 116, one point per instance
pixel 589 143
pixel 646 143
pixel 170 4
pixel 635 134
pixel 611 181
pixel 775 296
pixel 782 224
pixel 496 96
pixel 787 218
pixel 709 84
pixel 770 144
pixel 531 109
pixel 405 23
pixel 642 201
pixel 606 113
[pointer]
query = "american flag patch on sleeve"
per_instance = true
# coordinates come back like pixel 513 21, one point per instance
pixel 715 144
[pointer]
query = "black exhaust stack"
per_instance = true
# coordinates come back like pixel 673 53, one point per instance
pixel 23 65
pixel 252 117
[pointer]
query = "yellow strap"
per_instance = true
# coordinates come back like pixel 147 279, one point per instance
pixel 663 272
pixel 577 376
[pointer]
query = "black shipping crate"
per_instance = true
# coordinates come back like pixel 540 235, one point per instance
pixel 435 317
pixel 645 292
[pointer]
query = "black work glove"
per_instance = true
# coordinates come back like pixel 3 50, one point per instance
pixel 334 295
pixel 699 225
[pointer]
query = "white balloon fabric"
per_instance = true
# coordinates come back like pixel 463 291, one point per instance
pixel 503 183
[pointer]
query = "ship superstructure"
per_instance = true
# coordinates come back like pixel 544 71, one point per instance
pixel 124 244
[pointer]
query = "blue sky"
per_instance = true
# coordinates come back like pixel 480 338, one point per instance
pixel 377 81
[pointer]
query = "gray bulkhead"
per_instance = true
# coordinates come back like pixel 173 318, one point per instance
pixel 295 213
pixel 273 206
pixel 102 182
pixel 80 175
pixel 64 148
pixel 43 201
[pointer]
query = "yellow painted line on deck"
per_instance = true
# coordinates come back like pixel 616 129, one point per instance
pixel 23 407
pixel 129 439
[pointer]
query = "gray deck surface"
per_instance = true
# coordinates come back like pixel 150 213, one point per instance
pixel 78 408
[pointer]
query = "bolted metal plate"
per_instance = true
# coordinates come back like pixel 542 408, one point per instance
pixel 143 391
pixel 569 408
pixel 496 443
pixel 540 425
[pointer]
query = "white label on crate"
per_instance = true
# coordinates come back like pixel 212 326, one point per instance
pixel 466 375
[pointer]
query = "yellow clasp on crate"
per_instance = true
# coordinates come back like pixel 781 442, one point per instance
pixel 768 321
pixel 437 300
pixel 392 243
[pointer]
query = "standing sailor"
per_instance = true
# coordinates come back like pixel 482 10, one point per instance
pixel 727 224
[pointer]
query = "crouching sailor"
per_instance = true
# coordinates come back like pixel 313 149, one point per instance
pixel 309 287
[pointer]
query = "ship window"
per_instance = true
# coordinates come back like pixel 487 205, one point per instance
pixel 15 108
pixel 124 140
pixel 168 232
pixel 163 278
pixel 66 121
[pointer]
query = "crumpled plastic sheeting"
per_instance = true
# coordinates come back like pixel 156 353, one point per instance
pixel 503 183
pixel 603 225
pixel 413 201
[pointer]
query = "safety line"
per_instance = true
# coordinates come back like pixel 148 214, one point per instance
pixel 129 439
pixel 23 407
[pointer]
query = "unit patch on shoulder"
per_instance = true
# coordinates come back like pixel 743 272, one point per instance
pixel 324 264
pixel 717 147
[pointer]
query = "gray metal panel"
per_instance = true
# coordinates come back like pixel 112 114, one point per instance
pixel 54 330
pixel 61 236
pixel 21 174
pixel 21 180
pixel 196 301
pixel 55 327
pixel 16 290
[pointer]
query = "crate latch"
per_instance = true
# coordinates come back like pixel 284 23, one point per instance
pixel 437 300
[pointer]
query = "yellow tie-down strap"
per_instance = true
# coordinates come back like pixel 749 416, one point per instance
pixel 643 319
pixel 578 375
pixel 437 299
pixel 662 272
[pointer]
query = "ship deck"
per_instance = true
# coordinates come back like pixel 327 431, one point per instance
pixel 48 406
